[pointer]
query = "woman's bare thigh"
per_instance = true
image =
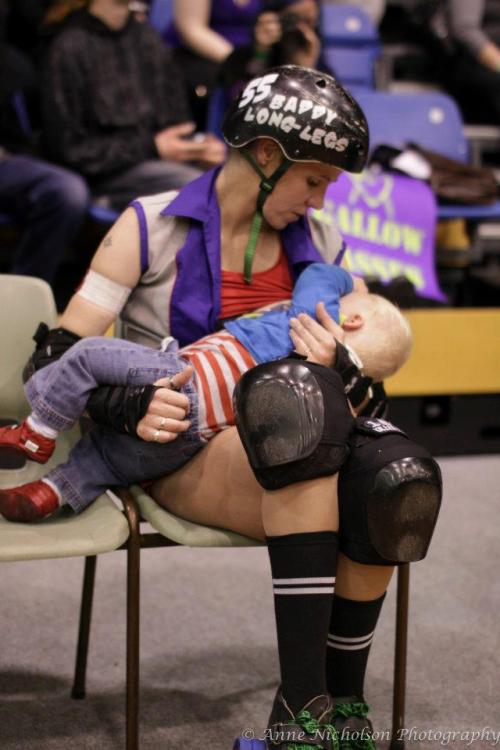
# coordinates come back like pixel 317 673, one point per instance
pixel 216 488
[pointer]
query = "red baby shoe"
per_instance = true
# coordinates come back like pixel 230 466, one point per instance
pixel 22 440
pixel 29 502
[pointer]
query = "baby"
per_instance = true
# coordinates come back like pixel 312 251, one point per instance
pixel 374 328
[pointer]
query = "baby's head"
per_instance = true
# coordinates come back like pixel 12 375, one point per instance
pixel 377 331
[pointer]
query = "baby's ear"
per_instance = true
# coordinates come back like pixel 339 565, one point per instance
pixel 352 322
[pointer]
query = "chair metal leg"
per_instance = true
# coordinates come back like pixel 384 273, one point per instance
pixel 133 603
pixel 78 690
pixel 398 706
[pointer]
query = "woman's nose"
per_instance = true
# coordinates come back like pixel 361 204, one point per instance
pixel 316 200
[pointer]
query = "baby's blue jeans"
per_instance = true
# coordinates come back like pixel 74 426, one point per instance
pixel 58 396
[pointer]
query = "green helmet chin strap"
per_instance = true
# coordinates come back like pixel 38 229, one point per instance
pixel 266 186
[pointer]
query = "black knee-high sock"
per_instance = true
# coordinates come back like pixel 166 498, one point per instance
pixel 350 635
pixel 303 568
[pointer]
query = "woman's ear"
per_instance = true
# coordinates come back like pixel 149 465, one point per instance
pixel 266 152
pixel 353 322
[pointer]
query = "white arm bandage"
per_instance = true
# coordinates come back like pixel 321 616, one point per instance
pixel 103 292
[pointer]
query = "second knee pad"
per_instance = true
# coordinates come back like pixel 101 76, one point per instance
pixel 389 496
pixel 293 420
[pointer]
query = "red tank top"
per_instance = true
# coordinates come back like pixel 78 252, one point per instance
pixel 238 297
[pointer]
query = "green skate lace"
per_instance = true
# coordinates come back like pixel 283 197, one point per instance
pixel 347 710
pixel 312 726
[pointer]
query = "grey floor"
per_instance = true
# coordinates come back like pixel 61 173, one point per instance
pixel 209 664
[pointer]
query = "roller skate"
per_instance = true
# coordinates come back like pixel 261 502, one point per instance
pixel 310 729
pixel 354 728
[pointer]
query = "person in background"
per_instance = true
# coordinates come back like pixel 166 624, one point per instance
pixel 286 32
pixel 114 108
pixel 47 202
pixel 474 76
pixel 204 33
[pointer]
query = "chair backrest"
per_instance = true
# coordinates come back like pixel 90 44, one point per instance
pixel 25 302
pixel 352 66
pixel 347 25
pixel 431 120
pixel 161 14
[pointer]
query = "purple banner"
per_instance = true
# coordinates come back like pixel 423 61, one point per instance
pixel 388 223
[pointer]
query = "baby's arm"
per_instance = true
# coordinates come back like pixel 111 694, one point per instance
pixel 320 282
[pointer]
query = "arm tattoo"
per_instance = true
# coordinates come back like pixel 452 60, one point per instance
pixel 107 241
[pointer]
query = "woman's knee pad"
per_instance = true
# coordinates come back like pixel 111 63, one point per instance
pixel 293 420
pixel 389 496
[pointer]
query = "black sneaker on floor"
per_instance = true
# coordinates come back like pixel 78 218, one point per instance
pixel 310 728
pixel 354 728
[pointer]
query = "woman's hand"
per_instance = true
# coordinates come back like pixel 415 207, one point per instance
pixel 214 151
pixel 308 54
pixel 166 415
pixel 316 339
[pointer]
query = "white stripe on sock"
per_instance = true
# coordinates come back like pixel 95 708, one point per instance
pixel 312 590
pixel 347 648
pixel 290 581
pixel 362 644
pixel 358 639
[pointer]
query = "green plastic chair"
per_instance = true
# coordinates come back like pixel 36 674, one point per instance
pixel 170 530
pixel 100 528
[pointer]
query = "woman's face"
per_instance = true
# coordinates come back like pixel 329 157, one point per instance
pixel 303 186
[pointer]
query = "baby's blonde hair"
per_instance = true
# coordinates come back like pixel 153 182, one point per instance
pixel 384 341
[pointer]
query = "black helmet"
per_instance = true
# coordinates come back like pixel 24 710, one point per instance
pixel 306 112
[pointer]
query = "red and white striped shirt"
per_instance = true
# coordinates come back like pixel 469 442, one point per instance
pixel 219 361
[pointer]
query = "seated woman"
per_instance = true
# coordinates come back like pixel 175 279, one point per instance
pixel 233 241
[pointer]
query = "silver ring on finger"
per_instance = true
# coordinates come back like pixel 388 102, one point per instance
pixel 156 435
pixel 161 422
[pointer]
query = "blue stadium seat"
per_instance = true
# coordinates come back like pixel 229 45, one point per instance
pixel 431 120
pixel 353 66
pixel 161 14
pixel 345 25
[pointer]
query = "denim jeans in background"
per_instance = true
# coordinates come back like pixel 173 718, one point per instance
pixel 58 396
pixel 50 204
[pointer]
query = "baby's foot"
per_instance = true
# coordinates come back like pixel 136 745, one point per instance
pixel 22 440
pixel 29 502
